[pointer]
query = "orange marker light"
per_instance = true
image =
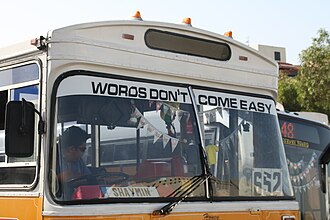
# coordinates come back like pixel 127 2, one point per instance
pixel 137 16
pixel 229 34
pixel 187 21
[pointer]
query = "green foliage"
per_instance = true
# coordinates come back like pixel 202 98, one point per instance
pixel 309 91
pixel 287 92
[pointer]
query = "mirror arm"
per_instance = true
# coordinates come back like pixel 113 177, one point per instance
pixel 22 128
pixel 322 177
pixel 41 123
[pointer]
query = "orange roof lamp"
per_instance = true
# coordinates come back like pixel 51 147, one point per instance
pixel 187 21
pixel 137 16
pixel 229 34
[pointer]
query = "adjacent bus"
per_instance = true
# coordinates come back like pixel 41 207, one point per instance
pixel 179 123
pixel 304 141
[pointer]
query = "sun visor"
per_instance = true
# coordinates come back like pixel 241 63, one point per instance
pixel 94 110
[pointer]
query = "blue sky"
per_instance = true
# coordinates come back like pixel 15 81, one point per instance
pixel 286 23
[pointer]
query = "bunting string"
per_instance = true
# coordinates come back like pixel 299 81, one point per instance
pixel 232 136
pixel 211 116
pixel 299 170
pixel 143 122
pixel 303 188
pixel 170 111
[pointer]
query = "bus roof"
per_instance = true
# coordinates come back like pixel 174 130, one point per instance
pixel 16 50
pixel 313 117
pixel 246 70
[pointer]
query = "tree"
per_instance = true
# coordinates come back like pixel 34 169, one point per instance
pixel 309 91
pixel 314 76
pixel 287 92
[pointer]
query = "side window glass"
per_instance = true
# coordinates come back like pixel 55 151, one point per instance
pixel 19 74
pixel 29 93
pixel 14 170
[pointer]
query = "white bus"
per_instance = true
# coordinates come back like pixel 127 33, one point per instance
pixel 181 123
pixel 304 140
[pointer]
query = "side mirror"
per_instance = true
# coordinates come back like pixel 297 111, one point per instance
pixel 323 162
pixel 19 129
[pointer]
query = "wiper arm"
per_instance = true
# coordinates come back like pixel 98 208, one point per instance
pixel 201 148
pixel 182 192
pixel 186 189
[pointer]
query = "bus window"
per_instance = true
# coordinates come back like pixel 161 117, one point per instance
pixel 140 140
pixel 21 74
pixel 30 93
pixel 15 170
pixel 243 145
pixel 183 44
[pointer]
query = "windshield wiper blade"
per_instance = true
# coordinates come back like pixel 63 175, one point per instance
pixel 190 186
pixel 182 192
pixel 187 186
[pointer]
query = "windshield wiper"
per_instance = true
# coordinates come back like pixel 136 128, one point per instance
pixel 182 192
pixel 190 186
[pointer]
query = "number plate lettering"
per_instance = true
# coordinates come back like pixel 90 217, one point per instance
pixel 267 182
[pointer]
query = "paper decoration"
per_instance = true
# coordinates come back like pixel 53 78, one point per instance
pixel 174 143
pixel 143 122
pixel 157 135
pixel 166 139
pixel 231 137
pixel 303 188
pixel 299 172
pixel 220 112
pixel 151 129
pixel 170 112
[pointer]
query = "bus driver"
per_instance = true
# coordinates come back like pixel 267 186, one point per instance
pixel 72 146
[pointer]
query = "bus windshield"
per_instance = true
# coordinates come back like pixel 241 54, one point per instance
pixel 117 139
pixel 243 145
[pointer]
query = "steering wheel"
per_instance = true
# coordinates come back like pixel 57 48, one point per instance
pixel 104 178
